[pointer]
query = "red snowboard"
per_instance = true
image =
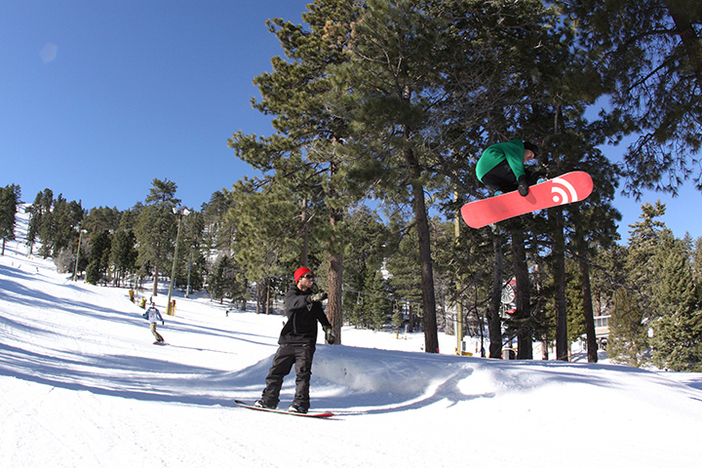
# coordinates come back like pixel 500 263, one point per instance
pixel 568 188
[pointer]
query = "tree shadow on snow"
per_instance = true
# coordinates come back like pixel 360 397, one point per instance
pixel 138 378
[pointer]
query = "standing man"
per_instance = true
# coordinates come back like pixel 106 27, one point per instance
pixel 297 343
pixel 501 167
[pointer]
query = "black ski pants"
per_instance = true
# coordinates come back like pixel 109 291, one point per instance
pixel 501 177
pixel 287 355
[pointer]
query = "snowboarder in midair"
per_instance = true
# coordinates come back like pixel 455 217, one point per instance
pixel 297 341
pixel 501 167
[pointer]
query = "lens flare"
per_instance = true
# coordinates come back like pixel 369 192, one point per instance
pixel 48 53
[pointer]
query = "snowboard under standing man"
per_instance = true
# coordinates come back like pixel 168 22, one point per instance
pixel 297 343
pixel 153 315
pixel 501 167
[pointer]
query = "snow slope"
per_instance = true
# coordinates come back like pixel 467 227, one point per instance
pixel 81 385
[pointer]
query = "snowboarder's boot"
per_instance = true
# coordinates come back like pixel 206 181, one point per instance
pixel 261 404
pixel 297 409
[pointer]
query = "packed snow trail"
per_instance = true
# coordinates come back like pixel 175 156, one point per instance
pixel 81 385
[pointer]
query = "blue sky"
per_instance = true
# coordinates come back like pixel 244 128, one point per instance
pixel 98 98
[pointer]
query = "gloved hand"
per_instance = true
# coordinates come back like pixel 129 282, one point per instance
pixel 329 335
pixel 523 186
pixel 319 297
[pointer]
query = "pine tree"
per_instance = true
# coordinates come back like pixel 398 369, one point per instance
pixel 628 341
pixel 9 199
pixel 661 299
pixel 495 303
pixel 218 229
pixel 363 259
pixel 522 322
pixel 223 282
pixel 377 302
pixel 99 257
pixel 633 305
pixel 651 54
pixel 58 230
pixel 267 229
pixel 155 228
pixel 405 278
pixel 305 150
pixel 644 241
pixel 677 324
pixel 37 210
pixel 123 254
pixel 594 225
pixel 564 83
pixel 385 91
pixel 101 219
pixel 191 263
pixel 697 264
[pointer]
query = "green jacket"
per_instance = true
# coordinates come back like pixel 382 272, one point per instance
pixel 512 151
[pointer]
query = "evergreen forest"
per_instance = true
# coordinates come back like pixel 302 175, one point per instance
pixel 380 110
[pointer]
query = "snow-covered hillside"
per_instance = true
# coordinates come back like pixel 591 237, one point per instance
pixel 82 385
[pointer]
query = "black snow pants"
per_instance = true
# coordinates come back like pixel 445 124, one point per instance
pixel 501 177
pixel 288 354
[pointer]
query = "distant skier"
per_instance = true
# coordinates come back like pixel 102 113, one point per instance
pixel 153 315
pixel 501 167
pixel 297 343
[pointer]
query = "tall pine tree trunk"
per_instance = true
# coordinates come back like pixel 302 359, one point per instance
pixel 493 315
pixel 155 285
pixel 304 255
pixel 258 297
pixel 522 315
pixel 588 315
pixel 561 311
pixel 431 338
pixel 539 313
pixel 335 313
pixel 587 310
pixel 268 296
pixel 334 285
pixel 243 296
pixel 559 279
pixel 410 320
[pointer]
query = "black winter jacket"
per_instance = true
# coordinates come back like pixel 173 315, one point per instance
pixel 303 314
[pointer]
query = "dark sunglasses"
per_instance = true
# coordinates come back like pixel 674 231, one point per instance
pixel 308 276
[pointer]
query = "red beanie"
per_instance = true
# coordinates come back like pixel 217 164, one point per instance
pixel 300 272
